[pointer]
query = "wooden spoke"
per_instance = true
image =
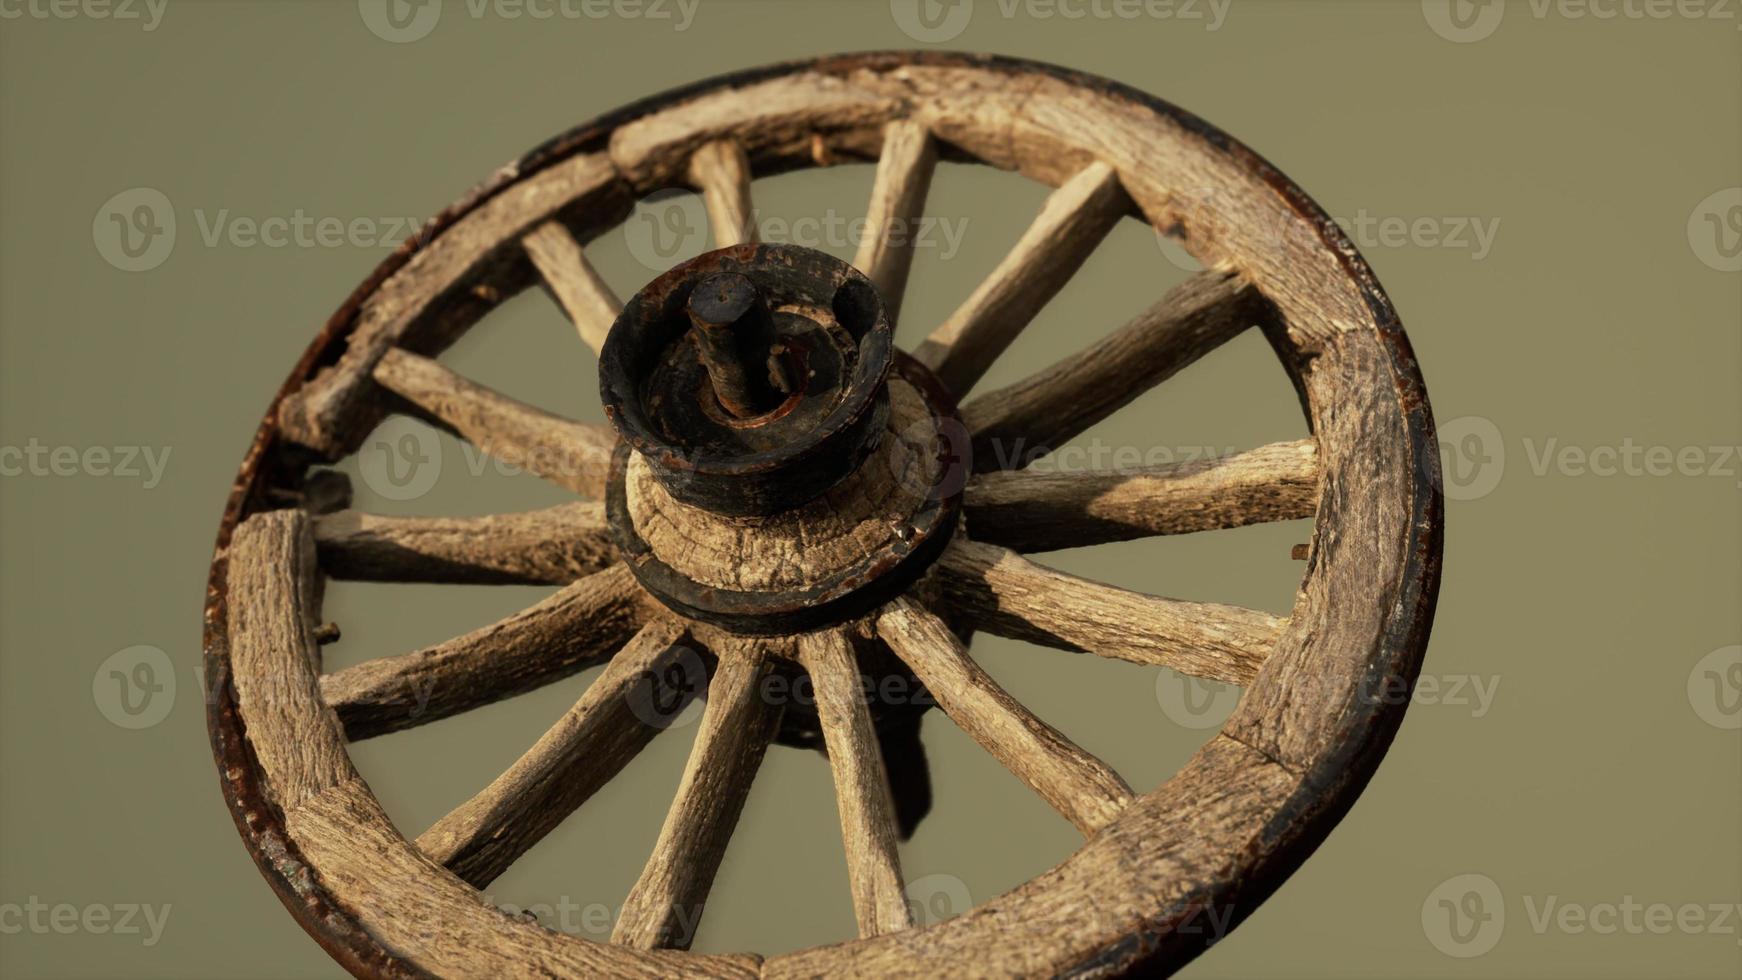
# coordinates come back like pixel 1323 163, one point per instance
pixel 1071 223
pixel 585 297
pixel 722 172
pixel 1020 423
pixel 1001 592
pixel 904 171
pixel 868 830
pixel 665 905
pixel 572 454
pixel 588 746
pixel 575 628
pixel 553 546
pixel 1031 511
pixel 1078 785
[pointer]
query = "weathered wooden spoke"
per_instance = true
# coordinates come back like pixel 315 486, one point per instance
pixel 868 828
pixel 580 753
pixel 1081 787
pixel 554 546
pixel 571 454
pixel 722 172
pixel 571 279
pixel 1036 511
pixel 574 629
pixel 904 171
pixel 1020 423
pixel 1070 224
pixel 1001 592
pixel 781 487
pixel 665 905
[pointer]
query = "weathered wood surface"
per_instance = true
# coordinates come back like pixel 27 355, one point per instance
pixel 273 653
pixel 667 901
pixel 1043 511
pixel 1026 420
pixel 898 192
pixel 576 628
pixel 443 289
pixel 1071 223
pixel 576 455
pixel 586 747
pixel 721 171
pixel 441 925
pixel 590 304
pixel 793 120
pixel 553 546
pixel 1153 877
pixel 1079 786
pixel 868 830
pixel 997 590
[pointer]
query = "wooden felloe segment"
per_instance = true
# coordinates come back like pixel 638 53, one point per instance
pixel 441 925
pixel 1030 511
pixel 571 454
pixel 722 172
pixel 1001 592
pixel 1078 785
pixel 274 653
pixel 1019 423
pixel 904 171
pixel 580 753
pixel 442 289
pixel 1071 223
pixel 588 301
pixel 554 546
pixel 868 829
pixel 666 903
pixel 575 628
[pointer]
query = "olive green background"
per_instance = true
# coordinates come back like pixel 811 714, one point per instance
pixel 1591 772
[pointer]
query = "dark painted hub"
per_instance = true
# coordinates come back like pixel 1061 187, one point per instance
pixel 751 378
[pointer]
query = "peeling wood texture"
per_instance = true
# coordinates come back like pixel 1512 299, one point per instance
pixel 574 629
pixel 1030 511
pixel 1019 423
pixel 554 546
pixel 575 455
pixel 1001 592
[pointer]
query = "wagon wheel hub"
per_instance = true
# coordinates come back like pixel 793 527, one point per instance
pixel 781 468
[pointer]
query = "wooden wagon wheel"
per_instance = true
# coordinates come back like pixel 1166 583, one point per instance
pixel 839 545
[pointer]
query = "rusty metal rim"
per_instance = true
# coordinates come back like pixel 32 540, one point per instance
pixel 1325 793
